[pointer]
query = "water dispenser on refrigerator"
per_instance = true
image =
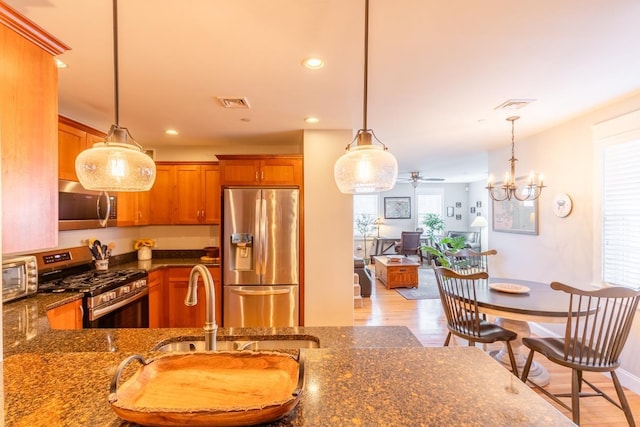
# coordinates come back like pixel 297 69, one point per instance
pixel 242 251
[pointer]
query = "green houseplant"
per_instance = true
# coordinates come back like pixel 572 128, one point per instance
pixel 434 226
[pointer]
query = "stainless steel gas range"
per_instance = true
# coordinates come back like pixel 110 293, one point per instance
pixel 115 298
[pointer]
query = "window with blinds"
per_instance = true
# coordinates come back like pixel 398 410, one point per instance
pixel 621 214
pixel 364 204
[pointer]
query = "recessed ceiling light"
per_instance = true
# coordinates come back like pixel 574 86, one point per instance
pixel 171 132
pixel 60 64
pixel 311 119
pixel 313 63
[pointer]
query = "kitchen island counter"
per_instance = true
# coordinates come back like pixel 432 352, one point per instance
pixel 343 386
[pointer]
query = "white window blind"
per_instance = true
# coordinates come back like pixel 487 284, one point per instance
pixel 621 214
pixel 428 203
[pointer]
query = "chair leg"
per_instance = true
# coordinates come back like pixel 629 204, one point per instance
pixel 576 385
pixel 446 340
pixel 527 367
pixel 623 399
pixel 512 359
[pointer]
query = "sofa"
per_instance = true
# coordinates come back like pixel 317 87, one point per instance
pixel 471 238
pixel 364 275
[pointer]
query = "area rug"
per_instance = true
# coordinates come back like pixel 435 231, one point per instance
pixel 427 287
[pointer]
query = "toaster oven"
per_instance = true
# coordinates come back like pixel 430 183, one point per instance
pixel 19 277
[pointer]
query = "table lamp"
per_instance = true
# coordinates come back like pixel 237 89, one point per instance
pixel 377 223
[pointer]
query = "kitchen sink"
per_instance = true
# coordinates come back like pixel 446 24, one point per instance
pixel 197 345
pixel 257 343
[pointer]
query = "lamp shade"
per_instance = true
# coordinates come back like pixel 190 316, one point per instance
pixel 113 166
pixel 365 169
pixel 479 221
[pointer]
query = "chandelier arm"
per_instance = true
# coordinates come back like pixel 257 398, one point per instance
pixel 494 196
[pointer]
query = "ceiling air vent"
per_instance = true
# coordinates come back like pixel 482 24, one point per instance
pixel 514 104
pixel 234 102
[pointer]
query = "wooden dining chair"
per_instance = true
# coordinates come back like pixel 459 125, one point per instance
pixel 469 261
pixel 598 325
pixel 460 304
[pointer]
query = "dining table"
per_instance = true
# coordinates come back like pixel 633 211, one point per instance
pixel 515 303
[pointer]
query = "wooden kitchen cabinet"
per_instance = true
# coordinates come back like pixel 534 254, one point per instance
pixel 28 131
pixel 260 170
pixel 133 208
pixel 67 316
pixel 186 193
pixel 73 138
pixel 156 300
pixel 181 316
pixel 161 195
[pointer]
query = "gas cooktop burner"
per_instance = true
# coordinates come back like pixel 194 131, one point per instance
pixel 92 281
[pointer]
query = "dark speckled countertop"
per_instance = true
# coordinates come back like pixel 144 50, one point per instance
pixel 360 376
pixel 451 386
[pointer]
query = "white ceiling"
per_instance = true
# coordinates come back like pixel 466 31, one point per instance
pixel 437 69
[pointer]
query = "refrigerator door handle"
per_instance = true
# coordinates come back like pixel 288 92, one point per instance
pixel 263 237
pixel 258 242
pixel 260 293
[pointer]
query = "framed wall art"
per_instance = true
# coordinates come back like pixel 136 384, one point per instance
pixel 397 207
pixel 449 210
pixel 514 216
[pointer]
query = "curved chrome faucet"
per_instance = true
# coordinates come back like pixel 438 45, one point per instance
pixel 191 299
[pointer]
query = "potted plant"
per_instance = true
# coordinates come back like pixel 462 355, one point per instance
pixel 445 244
pixel 434 226
pixel 364 224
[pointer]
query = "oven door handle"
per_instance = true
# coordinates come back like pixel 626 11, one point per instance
pixel 97 313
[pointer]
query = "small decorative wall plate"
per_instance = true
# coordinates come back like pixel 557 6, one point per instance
pixel 562 205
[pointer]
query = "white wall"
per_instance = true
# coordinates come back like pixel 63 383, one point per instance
pixel 328 233
pixel 166 236
pixel 467 194
pixel 564 248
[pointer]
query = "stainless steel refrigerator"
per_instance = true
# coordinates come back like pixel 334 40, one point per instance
pixel 261 257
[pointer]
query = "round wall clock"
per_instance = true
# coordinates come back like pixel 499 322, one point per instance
pixel 562 205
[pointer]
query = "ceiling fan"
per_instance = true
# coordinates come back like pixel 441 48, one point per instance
pixel 415 179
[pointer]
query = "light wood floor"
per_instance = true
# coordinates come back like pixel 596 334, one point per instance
pixel 426 321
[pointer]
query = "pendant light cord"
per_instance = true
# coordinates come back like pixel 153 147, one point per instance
pixel 366 63
pixel 115 61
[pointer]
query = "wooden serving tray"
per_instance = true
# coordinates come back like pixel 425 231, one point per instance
pixel 209 389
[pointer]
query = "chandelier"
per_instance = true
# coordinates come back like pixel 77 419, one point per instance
pixel 365 168
pixel 118 163
pixel 509 189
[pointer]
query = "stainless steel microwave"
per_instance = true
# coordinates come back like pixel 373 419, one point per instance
pixel 80 209
pixel 19 277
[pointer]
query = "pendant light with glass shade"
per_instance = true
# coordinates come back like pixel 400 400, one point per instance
pixel 365 168
pixel 118 163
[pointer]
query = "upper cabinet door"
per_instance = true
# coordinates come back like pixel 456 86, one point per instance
pixel 260 170
pixel 71 141
pixel 29 135
pixel 210 179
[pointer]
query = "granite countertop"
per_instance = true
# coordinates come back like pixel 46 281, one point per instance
pixel 359 375
pixel 448 386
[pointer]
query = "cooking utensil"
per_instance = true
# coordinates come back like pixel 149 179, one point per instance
pixel 98 247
